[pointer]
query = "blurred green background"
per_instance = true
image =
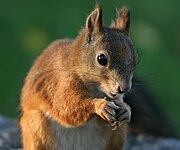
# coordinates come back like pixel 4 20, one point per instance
pixel 27 27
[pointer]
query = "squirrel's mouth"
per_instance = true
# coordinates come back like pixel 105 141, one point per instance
pixel 111 95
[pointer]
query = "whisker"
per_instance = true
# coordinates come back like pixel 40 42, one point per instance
pixel 86 73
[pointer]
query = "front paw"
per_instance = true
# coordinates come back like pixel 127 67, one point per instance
pixel 107 110
pixel 123 115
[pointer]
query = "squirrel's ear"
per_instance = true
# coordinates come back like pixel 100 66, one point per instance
pixel 94 20
pixel 123 20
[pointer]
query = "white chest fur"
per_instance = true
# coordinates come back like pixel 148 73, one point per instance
pixel 88 137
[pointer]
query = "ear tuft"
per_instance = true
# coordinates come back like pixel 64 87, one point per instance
pixel 94 20
pixel 123 19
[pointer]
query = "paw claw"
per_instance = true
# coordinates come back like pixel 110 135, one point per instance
pixel 123 115
pixel 114 128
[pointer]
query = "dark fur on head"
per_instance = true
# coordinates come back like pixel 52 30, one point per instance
pixel 115 43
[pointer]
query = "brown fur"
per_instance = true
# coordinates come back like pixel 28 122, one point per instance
pixel 68 86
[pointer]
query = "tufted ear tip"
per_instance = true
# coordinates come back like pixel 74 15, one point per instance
pixel 98 6
pixel 94 20
pixel 123 19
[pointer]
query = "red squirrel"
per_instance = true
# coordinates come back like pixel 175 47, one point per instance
pixel 72 98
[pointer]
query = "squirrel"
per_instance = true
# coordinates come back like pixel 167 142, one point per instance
pixel 72 98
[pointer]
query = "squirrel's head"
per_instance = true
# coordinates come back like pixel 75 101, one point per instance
pixel 108 58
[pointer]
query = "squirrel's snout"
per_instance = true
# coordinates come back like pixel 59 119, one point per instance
pixel 123 89
pixel 124 85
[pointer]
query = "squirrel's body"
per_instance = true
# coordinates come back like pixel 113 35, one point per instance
pixel 63 99
pixel 92 136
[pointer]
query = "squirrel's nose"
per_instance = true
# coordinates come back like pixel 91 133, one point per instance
pixel 123 89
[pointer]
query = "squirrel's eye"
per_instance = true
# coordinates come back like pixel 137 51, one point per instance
pixel 102 59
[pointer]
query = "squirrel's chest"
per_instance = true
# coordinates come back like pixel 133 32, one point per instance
pixel 88 137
